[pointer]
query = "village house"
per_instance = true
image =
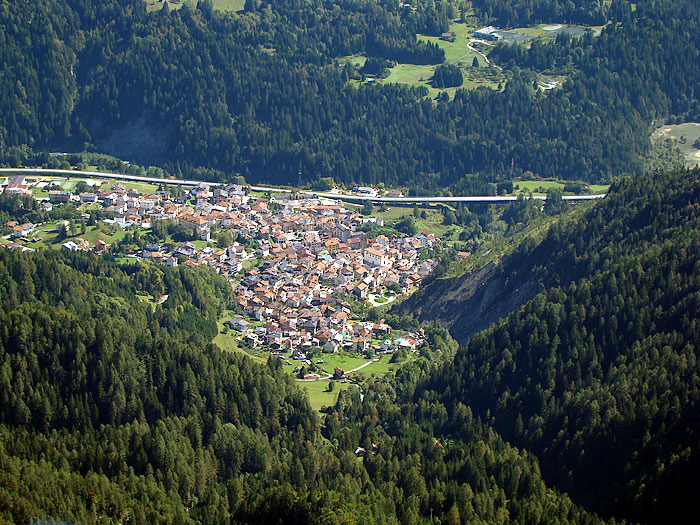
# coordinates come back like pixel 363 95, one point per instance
pixel 374 257
pixel 238 324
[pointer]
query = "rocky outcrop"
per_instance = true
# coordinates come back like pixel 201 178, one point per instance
pixel 469 303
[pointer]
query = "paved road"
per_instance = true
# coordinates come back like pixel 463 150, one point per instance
pixel 472 41
pixel 330 195
pixel 329 376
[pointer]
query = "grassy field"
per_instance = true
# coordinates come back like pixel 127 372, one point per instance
pixel 684 135
pixel 229 5
pixel 378 368
pixel 48 236
pixel 318 392
pixel 356 60
pixel 433 221
pixel 69 184
pixel 227 341
pixel 341 360
pixel 219 5
pixel 203 244
pixel 536 186
pixel 540 187
pixel 141 187
pixel 456 52
pixel 412 74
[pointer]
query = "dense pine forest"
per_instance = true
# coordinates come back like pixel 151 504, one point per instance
pixel 597 375
pixel 265 93
pixel 115 408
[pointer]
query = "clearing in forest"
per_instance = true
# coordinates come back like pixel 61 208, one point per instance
pixel 686 138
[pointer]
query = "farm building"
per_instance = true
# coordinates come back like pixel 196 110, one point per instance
pixel 488 33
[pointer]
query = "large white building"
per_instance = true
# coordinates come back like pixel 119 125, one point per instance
pixel 374 257
pixel 487 33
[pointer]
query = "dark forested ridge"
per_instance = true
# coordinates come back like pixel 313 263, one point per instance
pixel 101 394
pixel 265 93
pixel 116 409
pixel 598 374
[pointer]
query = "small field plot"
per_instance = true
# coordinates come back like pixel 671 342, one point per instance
pixel 356 60
pixel 47 236
pixel 433 221
pixel 229 5
pixel 599 188
pixel 219 5
pixel 686 137
pixel 227 341
pixel 318 393
pixel 344 361
pixel 457 50
pixel 537 187
pixel 540 187
pixel 377 369
pixel 141 187
pixel 155 5
pixel 410 74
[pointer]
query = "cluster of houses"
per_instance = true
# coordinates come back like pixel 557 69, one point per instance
pixel 327 327
pixel 311 253
pixel 16 185
pixel 305 244
pixel 312 257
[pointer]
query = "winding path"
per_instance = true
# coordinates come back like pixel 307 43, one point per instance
pixel 328 376
pixel 472 41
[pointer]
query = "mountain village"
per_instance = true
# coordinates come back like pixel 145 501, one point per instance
pixel 311 257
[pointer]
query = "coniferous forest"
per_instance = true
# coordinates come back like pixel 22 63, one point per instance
pixel 116 410
pixel 265 93
pixel 597 374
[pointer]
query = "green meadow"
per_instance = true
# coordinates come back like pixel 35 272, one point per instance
pixel 219 5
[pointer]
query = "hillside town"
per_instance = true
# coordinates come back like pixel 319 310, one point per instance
pixel 299 261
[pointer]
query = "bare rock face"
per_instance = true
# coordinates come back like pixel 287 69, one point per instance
pixel 467 304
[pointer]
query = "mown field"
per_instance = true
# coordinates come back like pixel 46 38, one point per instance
pixel 540 187
pixel 456 52
pixel 683 136
pixel 46 236
pixel 318 393
pixel 220 5
pixel 69 184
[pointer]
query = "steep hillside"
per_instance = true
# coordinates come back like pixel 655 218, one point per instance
pixel 470 303
pixel 270 93
pixel 116 411
pixel 598 375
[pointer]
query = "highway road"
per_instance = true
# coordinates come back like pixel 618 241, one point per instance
pixel 329 195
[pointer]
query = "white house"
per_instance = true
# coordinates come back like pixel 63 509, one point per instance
pixel 374 257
